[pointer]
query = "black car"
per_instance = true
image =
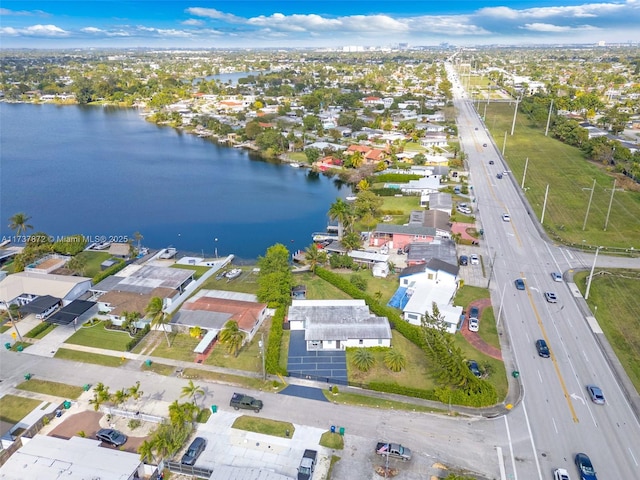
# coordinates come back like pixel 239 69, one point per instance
pixel 585 467
pixel 193 452
pixel 111 436
pixel 491 162
pixel 473 366
pixel 543 349
pixel 464 260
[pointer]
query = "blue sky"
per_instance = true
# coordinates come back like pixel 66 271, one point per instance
pixel 302 23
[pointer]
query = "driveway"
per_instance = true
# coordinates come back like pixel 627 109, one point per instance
pixel 328 366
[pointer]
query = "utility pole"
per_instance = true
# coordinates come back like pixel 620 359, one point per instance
pixel 515 112
pixel 544 205
pixel 501 303
pixel 593 267
pixel 504 143
pixel 546 130
pixel 613 190
pixel 524 175
pixel 216 248
pixel 13 322
pixel 584 225
pixel 261 345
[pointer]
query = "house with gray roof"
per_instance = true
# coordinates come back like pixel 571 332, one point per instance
pixel 440 201
pixel 338 324
pixel 442 248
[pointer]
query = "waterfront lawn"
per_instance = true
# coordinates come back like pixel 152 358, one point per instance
pixel 570 178
pixel 99 337
pixel 181 348
pixel 404 204
pixel 245 283
pixel 616 295
pixel 415 375
pixel 14 408
pixel 199 270
pixel 86 357
pixel 92 261
pixel 51 388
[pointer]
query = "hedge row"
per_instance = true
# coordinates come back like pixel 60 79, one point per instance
pixel 138 336
pixel 400 390
pixel 38 329
pixel 396 177
pixel 272 361
pixel 109 271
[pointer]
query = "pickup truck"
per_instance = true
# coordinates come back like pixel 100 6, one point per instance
pixel 240 400
pixel 394 450
pixel 307 465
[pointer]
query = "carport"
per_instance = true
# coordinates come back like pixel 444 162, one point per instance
pixel 320 365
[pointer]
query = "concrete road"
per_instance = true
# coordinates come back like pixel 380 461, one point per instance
pixel 556 419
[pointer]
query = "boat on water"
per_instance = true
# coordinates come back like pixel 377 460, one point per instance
pixel 320 236
pixel 233 273
pixel 295 164
pixel 168 253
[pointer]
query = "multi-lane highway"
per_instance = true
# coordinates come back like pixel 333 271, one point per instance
pixel 556 418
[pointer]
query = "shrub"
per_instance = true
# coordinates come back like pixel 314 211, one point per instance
pixel 138 336
pixel 109 271
pixel 363 359
pixel 272 360
pixel 38 329
pixel 334 389
pixel 134 423
pixel 359 282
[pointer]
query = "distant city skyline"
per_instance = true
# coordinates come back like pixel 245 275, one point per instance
pixel 287 23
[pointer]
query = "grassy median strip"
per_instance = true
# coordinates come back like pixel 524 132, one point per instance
pixel 265 426
pixel 86 357
pixel 159 368
pixel 374 402
pixel 51 388
pixel 14 408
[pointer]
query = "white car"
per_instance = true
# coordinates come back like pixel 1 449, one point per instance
pixel 560 474
pixel 474 260
pixel 474 325
pixel 557 277
pixel 506 217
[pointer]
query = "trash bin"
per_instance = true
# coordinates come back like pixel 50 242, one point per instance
pixel 67 404
pixel 86 387
pixel 515 374
pixel 333 429
pixel 7 346
pixel 148 363
pixel 342 431
pixel 214 408
pixel 20 348
pixel 27 376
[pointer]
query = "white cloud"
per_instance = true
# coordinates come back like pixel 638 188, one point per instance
pixel 193 22
pixel 214 14
pixel 23 13
pixel 35 31
pixel 575 11
pixel 92 30
pixel 547 27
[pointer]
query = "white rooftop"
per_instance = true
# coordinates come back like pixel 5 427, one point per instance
pixel 74 459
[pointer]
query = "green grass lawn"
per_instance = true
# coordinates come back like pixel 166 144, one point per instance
pixel 92 262
pixel 159 368
pixel 51 388
pixel 245 283
pixel 497 374
pixel 616 293
pixel 488 330
pixel 249 358
pixel 414 375
pixel 334 441
pixel 284 349
pixel 14 408
pixel 99 337
pixel 86 357
pixel 181 348
pixel 265 426
pixel 375 402
pixel 249 382
pixel 467 294
pixel 317 288
pixel 570 178
pixel 401 204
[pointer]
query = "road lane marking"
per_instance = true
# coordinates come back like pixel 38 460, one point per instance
pixel 540 376
pixel 555 427
pixel 503 474
pixel 632 456
pixel 575 396
pixel 533 444
pixel 553 357
pixel 513 458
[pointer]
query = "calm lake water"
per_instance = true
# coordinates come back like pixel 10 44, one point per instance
pixel 107 172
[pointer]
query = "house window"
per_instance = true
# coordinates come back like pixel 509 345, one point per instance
pixel 360 342
pixel 412 316
pixel 379 341
pixel 430 276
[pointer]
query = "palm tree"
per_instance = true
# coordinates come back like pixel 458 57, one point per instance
pixel 341 211
pixel 146 451
pixel 192 391
pixel 18 223
pixel 232 337
pixel 158 317
pixel 363 359
pixel 135 392
pixel 395 360
pixel 351 241
pixel 137 236
pixel 315 256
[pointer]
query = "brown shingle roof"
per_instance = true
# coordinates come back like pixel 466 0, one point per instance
pixel 245 313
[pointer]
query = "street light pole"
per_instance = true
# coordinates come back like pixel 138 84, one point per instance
pixel 261 345
pixel 216 248
pixel 589 205
pixel 593 267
